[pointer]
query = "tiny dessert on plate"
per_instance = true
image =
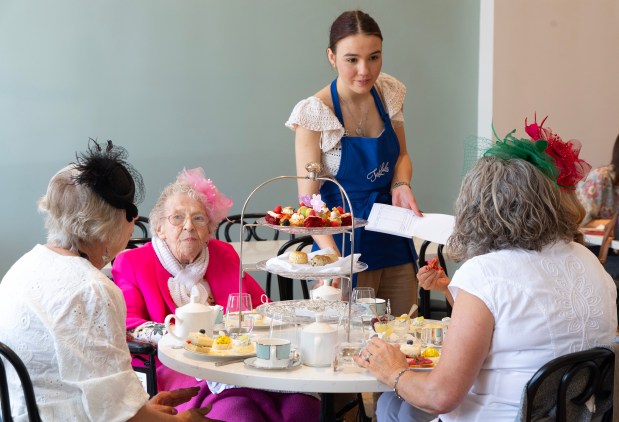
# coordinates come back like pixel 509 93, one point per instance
pixel 223 342
pixel 431 353
pixel 420 362
pixel 297 257
pixel 410 349
pixel 241 344
pixel 199 342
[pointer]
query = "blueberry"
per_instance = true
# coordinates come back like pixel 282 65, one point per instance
pixel 409 341
pixel 202 331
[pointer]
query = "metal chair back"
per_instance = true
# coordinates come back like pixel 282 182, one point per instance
pixel 284 283
pixel 26 383
pixel 561 388
pixel 428 306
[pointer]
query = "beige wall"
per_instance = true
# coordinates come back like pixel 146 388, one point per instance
pixel 559 58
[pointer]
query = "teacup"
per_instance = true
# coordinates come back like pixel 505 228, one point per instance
pixel 272 352
pixel 380 305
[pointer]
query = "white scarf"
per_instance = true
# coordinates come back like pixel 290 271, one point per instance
pixel 183 278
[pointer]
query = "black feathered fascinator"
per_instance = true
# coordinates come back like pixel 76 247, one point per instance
pixel 105 171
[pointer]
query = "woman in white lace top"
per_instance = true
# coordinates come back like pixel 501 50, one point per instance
pixel 355 128
pixel 64 318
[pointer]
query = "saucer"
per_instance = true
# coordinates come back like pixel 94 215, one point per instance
pixel 251 363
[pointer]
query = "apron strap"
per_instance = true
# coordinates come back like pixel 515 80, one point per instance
pixel 338 110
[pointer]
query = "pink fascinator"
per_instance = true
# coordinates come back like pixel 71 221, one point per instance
pixel 216 204
pixel 565 154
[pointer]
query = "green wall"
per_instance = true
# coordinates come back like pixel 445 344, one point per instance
pixel 211 83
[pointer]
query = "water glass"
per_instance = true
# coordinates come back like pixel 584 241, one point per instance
pixel 239 318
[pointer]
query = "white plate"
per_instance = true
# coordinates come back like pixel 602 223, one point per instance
pixel 307 272
pixel 265 324
pixel 251 363
pixel 220 354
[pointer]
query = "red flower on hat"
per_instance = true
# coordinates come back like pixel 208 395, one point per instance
pixel 565 154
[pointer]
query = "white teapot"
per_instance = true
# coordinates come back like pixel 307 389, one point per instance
pixel 318 341
pixel 328 293
pixel 192 317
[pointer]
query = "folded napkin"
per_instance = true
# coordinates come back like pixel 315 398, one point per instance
pixel 341 266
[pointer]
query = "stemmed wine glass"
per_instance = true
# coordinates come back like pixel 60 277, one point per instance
pixel 239 314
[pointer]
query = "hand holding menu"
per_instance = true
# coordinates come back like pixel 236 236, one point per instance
pixel 403 222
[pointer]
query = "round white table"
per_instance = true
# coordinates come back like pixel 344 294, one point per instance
pixel 302 378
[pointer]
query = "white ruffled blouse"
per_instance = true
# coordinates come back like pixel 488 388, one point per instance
pixel 66 320
pixel 312 114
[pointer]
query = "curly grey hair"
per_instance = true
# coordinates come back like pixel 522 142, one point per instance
pixel 510 204
pixel 75 215
pixel 157 214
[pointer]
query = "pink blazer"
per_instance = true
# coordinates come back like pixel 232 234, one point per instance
pixel 144 281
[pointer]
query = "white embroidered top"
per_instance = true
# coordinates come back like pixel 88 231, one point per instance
pixel 312 114
pixel 66 320
pixel 545 304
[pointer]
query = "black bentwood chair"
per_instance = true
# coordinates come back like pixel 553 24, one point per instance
pixel 574 387
pixel 26 383
pixel 432 308
pixel 143 355
pixel 285 283
pixel 251 234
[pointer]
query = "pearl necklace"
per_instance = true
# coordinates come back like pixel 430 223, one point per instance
pixel 360 126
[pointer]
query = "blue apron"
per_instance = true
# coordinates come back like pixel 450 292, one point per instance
pixel 366 173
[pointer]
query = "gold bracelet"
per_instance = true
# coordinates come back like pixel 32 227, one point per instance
pixel 397 184
pixel 397 379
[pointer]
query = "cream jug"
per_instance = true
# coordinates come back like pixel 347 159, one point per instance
pixel 318 341
pixel 192 317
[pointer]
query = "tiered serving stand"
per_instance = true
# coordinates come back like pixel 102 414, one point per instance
pixel 343 308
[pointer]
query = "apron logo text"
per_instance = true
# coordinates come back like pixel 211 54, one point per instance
pixel 378 172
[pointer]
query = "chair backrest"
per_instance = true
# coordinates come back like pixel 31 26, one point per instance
pixel 141 226
pixel 427 306
pixel 144 362
pixel 285 283
pixel 251 232
pixel 561 388
pixel 607 238
pixel 26 383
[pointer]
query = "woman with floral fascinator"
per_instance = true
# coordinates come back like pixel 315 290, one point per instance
pixel 526 293
pixel 64 318
pixel 183 258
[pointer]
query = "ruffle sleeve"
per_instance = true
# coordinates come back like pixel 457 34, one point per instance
pixel 393 92
pixel 312 114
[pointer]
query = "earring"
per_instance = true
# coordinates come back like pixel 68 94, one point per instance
pixel 106 257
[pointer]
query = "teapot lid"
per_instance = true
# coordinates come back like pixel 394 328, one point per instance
pixel 194 305
pixel 319 326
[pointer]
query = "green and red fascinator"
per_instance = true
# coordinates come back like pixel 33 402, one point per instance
pixel 546 150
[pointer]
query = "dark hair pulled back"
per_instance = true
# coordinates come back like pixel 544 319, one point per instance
pixel 352 22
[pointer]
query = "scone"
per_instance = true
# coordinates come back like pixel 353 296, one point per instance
pixel 320 260
pixel 297 257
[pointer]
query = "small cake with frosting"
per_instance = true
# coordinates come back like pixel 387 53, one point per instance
pixel 346 219
pixel 223 342
pixel 410 348
pixel 431 353
pixel 241 344
pixel 296 220
pixel 313 221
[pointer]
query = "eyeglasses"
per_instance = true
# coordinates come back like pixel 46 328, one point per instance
pixel 198 220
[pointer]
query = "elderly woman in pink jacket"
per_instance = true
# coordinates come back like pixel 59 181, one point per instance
pixel 160 276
